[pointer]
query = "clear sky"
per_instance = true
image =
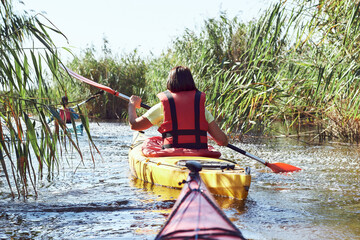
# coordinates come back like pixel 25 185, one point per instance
pixel 148 25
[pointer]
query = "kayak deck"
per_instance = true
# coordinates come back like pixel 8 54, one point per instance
pixel 79 128
pixel 196 215
pixel 222 177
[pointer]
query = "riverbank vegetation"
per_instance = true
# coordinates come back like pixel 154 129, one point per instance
pixel 29 150
pixel 296 65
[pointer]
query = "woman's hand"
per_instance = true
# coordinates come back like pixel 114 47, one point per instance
pixel 137 123
pixel 135 101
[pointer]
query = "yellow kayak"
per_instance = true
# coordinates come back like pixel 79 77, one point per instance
pixel 222 177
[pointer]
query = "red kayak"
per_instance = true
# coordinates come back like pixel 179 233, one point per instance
pixel 196 215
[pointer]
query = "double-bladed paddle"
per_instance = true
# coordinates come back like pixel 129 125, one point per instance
pixel 89 99
pixel 100 86
pixel 275 167
pixel 85 101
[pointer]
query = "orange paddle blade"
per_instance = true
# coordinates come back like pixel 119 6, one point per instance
pixel 282 167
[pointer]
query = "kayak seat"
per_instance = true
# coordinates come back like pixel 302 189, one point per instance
pixel 152 147
pixel 193 166
pixel 208 164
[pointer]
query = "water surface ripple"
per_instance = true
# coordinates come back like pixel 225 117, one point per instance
pixel 101 200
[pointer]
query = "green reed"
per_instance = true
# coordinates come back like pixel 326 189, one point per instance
pixel 295 64
pixel 29 149
pixel 125 74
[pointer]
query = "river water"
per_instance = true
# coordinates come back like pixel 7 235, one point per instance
pixel 101 200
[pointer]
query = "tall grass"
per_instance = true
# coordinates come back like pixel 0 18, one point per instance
pixel 29 150
pixel 125 74
pixel 295 64
pixel 298 64
pixel 237 65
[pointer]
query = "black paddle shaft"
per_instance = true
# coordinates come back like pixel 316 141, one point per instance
pixel 143 105
pixel 236 149
pixel 247 154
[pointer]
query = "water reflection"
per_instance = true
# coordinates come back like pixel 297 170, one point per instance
pixel 102 199
pixel 169 195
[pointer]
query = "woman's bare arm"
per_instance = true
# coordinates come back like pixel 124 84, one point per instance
pixel 137 123
pixel 217 134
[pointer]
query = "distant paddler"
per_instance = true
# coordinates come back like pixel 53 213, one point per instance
pixel 67 112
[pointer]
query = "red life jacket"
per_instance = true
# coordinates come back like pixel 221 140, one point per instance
pixel 65 115
pixel 184 125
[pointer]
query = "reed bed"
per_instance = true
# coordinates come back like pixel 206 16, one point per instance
pixel 123 73
pixel 29 150
pixel 297 65
pixel 294 64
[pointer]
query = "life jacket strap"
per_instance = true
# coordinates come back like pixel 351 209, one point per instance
pixel 176 132
pixel 184 132
pixel 186 145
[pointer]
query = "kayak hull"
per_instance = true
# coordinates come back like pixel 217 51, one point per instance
pixel 196 215
pixel 170 171
pixel 79 128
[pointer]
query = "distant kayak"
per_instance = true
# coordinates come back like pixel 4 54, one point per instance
pixel 196 215
pixel 222 177
pixel 79 128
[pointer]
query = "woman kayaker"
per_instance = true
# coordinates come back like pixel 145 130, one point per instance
pixel 66 112
pixel 181 114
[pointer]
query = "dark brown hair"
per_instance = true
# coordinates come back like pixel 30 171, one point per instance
pixel 180 79
pixel 64 101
